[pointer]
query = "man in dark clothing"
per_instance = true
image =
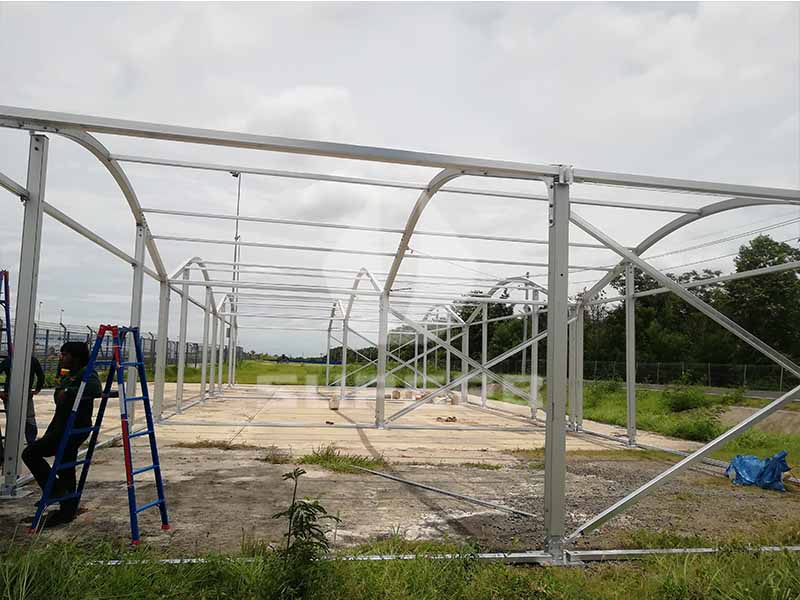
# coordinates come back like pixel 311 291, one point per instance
pixel 74 359
pixel 35 386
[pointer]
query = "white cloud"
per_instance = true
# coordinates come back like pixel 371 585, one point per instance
pixel 709 91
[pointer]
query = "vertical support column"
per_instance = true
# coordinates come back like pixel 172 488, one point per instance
pixel 161 348
pixel 235 362
pixel 212 361
pixel 579 367
pixel 231 357
pixel 630 352
pixel 334 402
pixel 221 354
pixel 204 350
pixel 136 312
pixel 447 352
pixel 27 285
pixel 535 359
pixel 328 357
pixel 464 366
pixel 416 359
pixel 383 336
pixel 525 329
pixel 573 367
pixel 484 352
pixel 557 304
pixel 182 343
pixel 425 359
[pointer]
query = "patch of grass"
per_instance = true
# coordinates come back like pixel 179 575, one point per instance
pixel 762 444
pixel 59 570
pixel 329 457
pixel 645 538
pixel 479 465
pixel 214 444
pixel 276 456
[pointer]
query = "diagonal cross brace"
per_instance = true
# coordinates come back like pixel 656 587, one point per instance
pixel 457 381
pixel 473 363
pixel 394 370
pixel 689 297
pixel 681 466
pixel 393 356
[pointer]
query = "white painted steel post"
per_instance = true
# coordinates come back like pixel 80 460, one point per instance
pixel 212 349
pixel 464 366
pixel 161 348
pixel 383 337
pixel 204 349
pixel 136 312
pixel 447 351
pixel 235 348
pixel 221 354
pixel 334 401
pixel 579 324
pixel 231 351
pixel 182 343
pixel 573 367
pixel 557 306
pixel 328 358
pixel 534 403
pixel 27 285
pixel 484 353
pixel 425 360
pixel 525 329
pixel 630 351
pixel 416 359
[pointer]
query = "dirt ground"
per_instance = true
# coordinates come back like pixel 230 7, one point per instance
pixel 218 498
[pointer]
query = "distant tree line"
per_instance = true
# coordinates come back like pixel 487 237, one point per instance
pixel 667 329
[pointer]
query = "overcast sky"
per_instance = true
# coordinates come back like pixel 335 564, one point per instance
pixel 705 91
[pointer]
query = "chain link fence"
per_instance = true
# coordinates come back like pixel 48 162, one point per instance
pixel 48 338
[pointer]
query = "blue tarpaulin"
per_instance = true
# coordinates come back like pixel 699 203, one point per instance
pixel 751 470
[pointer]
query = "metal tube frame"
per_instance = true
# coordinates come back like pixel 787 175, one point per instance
pixel 79 129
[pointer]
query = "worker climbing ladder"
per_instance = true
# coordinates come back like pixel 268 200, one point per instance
pixel 119 336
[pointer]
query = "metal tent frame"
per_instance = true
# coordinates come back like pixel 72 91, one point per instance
pixel 564 333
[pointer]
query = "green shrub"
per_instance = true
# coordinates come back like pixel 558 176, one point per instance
pixel 733 398
pixel 697 427
pixel 679 398
pixel 607 386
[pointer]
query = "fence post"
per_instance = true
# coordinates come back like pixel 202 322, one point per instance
pixel 658 372
pixel 46 349
pixel 709 374
pixel 780 381
pixel 744 376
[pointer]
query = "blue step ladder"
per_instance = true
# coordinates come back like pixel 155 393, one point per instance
pixel 116 369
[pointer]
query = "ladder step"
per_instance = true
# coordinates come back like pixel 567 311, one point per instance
pixel 140 433
pixel 131 364
pixel 143 469
pixel 69 465
pixel 149 505
pixel 135 398
pixel 80 430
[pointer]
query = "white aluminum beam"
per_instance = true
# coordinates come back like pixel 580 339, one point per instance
pixel 27 284
pixel 12 186
pixel 393 184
